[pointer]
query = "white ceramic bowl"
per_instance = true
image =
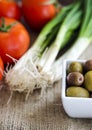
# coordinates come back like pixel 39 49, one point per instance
pixel 75 107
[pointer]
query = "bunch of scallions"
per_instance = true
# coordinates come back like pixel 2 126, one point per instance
pixel 81 43
pixel 38 67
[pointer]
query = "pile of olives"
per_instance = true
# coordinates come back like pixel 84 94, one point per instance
pixel 79 79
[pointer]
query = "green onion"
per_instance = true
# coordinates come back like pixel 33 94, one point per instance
pixel 80 45
pixel 67 27
pixel 33 69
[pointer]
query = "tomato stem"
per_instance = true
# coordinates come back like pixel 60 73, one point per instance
pixel 5 28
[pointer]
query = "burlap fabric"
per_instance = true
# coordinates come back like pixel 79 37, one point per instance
pixel 46 113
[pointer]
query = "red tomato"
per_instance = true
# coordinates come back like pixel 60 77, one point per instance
pixel 9 9
pixel 37 13
pixel 14 41
pixel 1 68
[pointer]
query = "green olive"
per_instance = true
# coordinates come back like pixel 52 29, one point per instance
pixel 75 67
pixel 88 81
pixel 75 91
